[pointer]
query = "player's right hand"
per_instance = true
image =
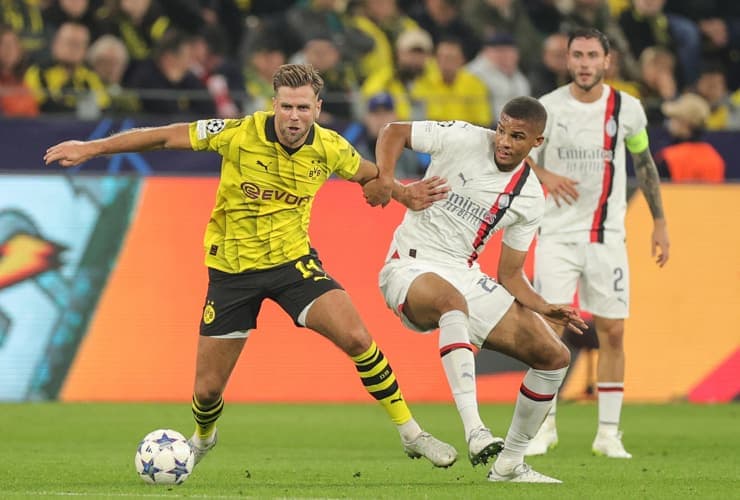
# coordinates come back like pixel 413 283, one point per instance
pixel 566 316
pixel 561 188
pixel 69 153
pixel 419 195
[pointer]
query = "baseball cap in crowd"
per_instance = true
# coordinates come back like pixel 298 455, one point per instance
pixel 500 40
pixel 415 39
pixel 691 108
pixel 380 101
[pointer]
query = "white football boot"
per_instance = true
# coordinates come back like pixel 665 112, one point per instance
pixel 200 450
pixel 521 473
pixel 609 444
pixel 425 445
pixel 482 446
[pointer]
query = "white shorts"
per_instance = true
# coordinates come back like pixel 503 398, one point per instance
pixel 487 300
pixel 599 270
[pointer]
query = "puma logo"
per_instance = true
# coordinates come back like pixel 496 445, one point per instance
pixel 462 177
pixel 397 400
pixel 259 162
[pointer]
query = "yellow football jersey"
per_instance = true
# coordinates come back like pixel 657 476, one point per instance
pixel 265 193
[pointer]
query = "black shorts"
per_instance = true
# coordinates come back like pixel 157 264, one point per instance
pixel 234 300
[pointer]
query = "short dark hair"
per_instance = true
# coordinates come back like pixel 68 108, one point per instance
pixel 590 33
pixel 297 75
pixel 527 109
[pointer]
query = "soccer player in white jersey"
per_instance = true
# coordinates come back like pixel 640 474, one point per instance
pixel 581 240
pixel 432 279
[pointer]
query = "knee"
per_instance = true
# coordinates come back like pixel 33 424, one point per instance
pixel 206 394
pixel 612 338
pixel 356 342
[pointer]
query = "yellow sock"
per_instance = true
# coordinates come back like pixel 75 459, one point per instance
pixel 379 380
pixel 206 416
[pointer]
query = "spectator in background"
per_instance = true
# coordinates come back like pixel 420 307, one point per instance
pixel 544 14
pixel 712 86
pixel 66 83
pixel 264 60
pixel 451 92
pixel 595 14
pixel 25 17
pixel 140 24
pixel 166 84
pixel 658 81
pixel 381 111
pixel 551 71
pixel 443 19
pixel 216 71
pixel 16 98
pixel 340 82
pixel 647 25
pixel 77 11
pixel 689 158
pixel 108 57
pixel 413 59
pixel 497 65
pixel 383 22
pixel 493 17
pixel 321 18
pixel 614 75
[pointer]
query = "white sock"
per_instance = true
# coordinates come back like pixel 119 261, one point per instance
pixel 550 418
pixel 409 430
pixel 533 402
pixel 611 395
pixel 458 362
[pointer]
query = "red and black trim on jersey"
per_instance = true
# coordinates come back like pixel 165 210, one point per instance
pixel 498 209
pixel 611 131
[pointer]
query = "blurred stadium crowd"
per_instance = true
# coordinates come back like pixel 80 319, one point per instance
pixel 382 60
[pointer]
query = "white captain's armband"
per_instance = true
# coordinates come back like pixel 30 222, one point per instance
pixel 638 142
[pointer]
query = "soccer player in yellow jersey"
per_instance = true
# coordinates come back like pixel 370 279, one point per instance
pixel 257 243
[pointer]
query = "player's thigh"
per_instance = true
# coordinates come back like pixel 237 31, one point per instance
pixel 232 303
pixel 429 297
pixel 604 288
pixel 524 335
pixel 420 292
pixel 557 267
pixel 488 302
pixel 297 285
pixel 315 300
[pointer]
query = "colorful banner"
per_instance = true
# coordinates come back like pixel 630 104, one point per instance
pixel 59 237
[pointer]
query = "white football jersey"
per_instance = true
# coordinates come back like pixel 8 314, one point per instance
pixel 586 142
pixel 481 201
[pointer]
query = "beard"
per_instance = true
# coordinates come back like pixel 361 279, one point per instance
pixel 597 79
pixel 408 73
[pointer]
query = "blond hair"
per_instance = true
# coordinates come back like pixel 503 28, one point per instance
pixel 297 75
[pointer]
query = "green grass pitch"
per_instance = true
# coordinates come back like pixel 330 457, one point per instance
pixel 352 451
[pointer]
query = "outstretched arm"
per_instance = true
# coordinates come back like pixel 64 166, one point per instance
pixel 511 276
pixel 71 153
pixel 649 182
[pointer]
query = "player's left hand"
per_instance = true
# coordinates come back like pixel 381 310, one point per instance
pixel 420 194
pixel 660 241
pixel 566 316
pixel 378 191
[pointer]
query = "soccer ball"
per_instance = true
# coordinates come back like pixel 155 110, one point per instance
pixel 164 457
